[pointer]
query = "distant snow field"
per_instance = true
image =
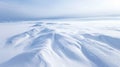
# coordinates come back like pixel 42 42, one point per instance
pixel 94 43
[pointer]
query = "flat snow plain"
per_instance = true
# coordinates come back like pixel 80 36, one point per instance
pixel 94 43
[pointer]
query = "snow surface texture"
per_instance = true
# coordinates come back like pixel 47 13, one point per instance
pixel 60 44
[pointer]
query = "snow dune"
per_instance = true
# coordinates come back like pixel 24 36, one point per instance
pixel 60 44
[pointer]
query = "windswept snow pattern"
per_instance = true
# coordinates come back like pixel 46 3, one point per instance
pixel 60 44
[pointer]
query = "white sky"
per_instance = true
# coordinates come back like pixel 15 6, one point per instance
pixel 53 8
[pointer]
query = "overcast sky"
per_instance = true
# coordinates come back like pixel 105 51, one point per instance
pixel 57 8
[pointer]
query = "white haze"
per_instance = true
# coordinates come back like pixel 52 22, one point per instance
pixel 59 8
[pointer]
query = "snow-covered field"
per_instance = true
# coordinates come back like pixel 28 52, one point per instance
pixel 60 44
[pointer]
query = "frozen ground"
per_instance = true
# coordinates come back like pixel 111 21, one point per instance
pixel 60 44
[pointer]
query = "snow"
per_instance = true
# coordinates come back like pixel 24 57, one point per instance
pixel 93 43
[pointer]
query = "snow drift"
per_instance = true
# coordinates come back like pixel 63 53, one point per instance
pixel 60 44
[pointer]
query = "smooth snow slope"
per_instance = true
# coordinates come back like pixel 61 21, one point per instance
pixel 60 44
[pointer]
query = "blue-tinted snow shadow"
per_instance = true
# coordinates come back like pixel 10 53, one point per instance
pixel 93 58
pixel 23 60
pixel 61 48
pixel 111 41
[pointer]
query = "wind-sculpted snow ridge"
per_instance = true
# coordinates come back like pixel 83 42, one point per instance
pixel 65 44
